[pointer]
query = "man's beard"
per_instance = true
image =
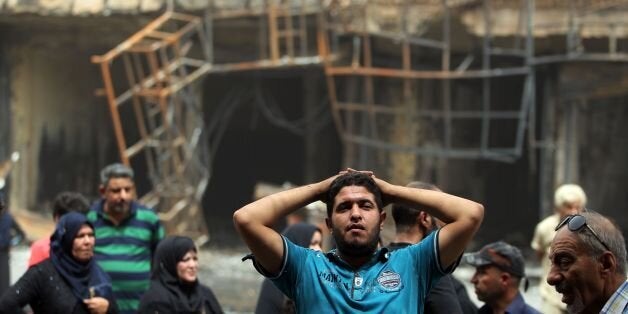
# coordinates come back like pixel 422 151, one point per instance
pixel 488 296
pixel 356 249
pixel 119 208
pixel 576 306
pixel 481 296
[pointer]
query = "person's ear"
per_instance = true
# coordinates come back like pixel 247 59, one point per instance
pixel 425 220
pixel 102 189
pixel 382 218
pixel 607 263
pixel 505 278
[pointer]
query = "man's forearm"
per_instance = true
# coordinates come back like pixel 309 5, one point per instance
pixel 443 206
pixel 254 221
pixel 463 217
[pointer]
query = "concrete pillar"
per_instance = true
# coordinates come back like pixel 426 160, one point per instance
pixel 5 109
pixel 404 131
pixel 311 102
pixel 60 128
pixel 547 107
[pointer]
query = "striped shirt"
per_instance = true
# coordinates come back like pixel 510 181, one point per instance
pixel 125 251
pixel 618 302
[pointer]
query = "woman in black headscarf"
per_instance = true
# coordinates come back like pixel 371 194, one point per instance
pixel 69 281
pixel 174 286
pixel 271 299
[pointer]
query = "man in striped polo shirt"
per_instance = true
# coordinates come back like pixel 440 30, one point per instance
pixel 126 233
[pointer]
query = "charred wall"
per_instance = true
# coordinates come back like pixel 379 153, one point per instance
pixel 5 110
pixel 275 126
pixel 63 129
pixel 268 138
pixel 592 117
pixel 60 127
pixel 603 149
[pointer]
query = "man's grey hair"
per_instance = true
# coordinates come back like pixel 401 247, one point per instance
pixel 609 233
pixel 116 170
pixel 569 193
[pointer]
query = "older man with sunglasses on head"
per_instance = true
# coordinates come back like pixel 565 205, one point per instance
pixel 569 199
pixel 588 264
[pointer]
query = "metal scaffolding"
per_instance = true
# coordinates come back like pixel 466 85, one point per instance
pixel 362 116
pixel 156 114
pixel 153 72
pixel 432 52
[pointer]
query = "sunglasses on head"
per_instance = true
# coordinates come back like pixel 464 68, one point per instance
pixel 576 223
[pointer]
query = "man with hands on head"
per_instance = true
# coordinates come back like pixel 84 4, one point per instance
pixel 357 276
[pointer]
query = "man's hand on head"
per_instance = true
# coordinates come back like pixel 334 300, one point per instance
pixel 326 184
pixel 348 170
pixel 384 186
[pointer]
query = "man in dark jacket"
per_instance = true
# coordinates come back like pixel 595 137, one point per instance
pixel 413 225
pixel 2 204
pixel 499 269
pixel 10 231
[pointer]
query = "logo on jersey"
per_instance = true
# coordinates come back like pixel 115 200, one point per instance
pixel 389 280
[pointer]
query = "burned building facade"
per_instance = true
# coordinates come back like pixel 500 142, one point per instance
pixel 498 101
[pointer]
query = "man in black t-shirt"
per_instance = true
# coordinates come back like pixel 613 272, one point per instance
pixel 411 226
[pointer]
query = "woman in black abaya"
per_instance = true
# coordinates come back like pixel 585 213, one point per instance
pixel 174 286
pixel 271 299
pixel 70 281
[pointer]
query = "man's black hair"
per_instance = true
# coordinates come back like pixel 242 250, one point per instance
pixel 350 179
pixel 66 202
pixel 404 216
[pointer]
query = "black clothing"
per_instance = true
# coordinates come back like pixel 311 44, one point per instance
pixel 157 300
pixel 271 300
pixel 468 307
pixel 46 292
pixel 167 293
pixel 397 245
pixel 300 233
pixel 5 272
pixel 10 232
pixel 442 297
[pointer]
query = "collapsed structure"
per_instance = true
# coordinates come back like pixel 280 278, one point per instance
pixel 411 85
